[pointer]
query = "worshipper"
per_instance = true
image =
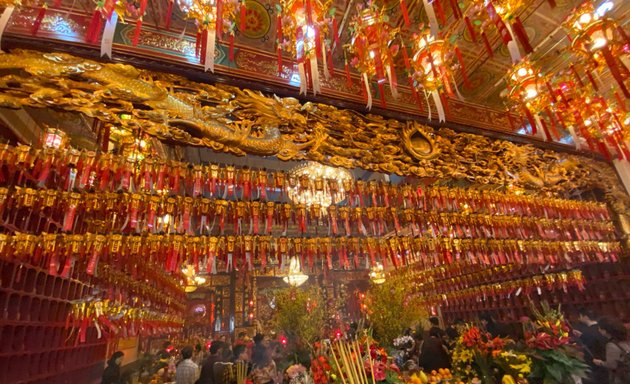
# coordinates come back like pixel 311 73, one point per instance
pixel 593 344
pixel 187 372
pixel 617 360
pixel 111 374
pixel 207 368
pixel 263 366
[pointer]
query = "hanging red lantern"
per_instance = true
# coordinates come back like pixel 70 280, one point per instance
pixel 307 30
pixel 372 49
pixel 600 41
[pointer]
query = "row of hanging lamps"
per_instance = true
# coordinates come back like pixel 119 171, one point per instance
pixel 307 29
pixel 372 49
pixel 600 41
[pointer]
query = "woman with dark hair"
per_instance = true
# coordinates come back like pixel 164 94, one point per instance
pixel 263 367
pixel 111 375
pixel 617 350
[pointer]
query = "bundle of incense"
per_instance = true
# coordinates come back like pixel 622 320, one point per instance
pixel 241 372
pixel 347 357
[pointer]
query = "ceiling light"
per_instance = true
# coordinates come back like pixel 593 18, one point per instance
pixel 295 277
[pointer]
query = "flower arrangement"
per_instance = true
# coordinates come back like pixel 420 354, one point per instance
pixel 297 374
pixel 403 342
pixel 555 359
pixel 479 357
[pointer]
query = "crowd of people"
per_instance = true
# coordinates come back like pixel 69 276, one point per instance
pixel 603 341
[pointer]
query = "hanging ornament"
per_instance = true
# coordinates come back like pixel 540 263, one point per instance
pixel 600 41
pixel 503 14
pixel 434 61
pixel 525 86
pixel 306 29
pixel 372 49
pixel 214 18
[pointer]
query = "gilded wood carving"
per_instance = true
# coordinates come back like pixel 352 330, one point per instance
pixel 242 122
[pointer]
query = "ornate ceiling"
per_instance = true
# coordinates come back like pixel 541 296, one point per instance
pixel 255 51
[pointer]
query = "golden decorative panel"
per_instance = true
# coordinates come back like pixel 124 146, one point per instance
pixel 242 122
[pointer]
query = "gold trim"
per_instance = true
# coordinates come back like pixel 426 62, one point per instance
pixel 241 122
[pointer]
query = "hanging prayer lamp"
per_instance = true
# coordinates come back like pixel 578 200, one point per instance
pixel 372 50
pixel 503 14
pixel 113 11
pixel 525 90
pixel 433 63
pixel 307 30
pixel 213 19
pixel 600 41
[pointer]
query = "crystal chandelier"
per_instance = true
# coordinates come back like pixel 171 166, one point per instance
pixel 193 280
pixel 600 41
pixel 295 277
pixel 377 274
pixel 308 186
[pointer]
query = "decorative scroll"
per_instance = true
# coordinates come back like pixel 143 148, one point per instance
pixel 244 122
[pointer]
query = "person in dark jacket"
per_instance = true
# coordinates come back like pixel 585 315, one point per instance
pixel 433 353
pixel 207 368
pixel 111 375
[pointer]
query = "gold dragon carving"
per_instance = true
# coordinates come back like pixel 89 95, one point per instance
pixel 242 122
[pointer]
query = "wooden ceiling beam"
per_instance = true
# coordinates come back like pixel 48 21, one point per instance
pixel 92 52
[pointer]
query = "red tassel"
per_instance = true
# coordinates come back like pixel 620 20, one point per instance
pixel 91 30
pixel 521 35
pixel 202 49
pixel 335 31
pixel 592 80
pixel 603 149
pixel 456 11
pixel 577 76
pixel 614 70
pixel 39 19
pixel 279 38
pixel 279 60
pixel 169 12
pixel 331 65
pixel 405 56
pixel 531 120
pixel 458 53
pixel 613 143
pixel 552 3
pixel 57 3
pixel 486 44
pixel 405 13
pixel 470 28
pixel 554 127
pixel 219 23
pixel 381 91
pixel 348 78
pixel 231 52
pixel 440 11
pixel 243 16
pixel 309 12
pixel 136 32
pixel 545 130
